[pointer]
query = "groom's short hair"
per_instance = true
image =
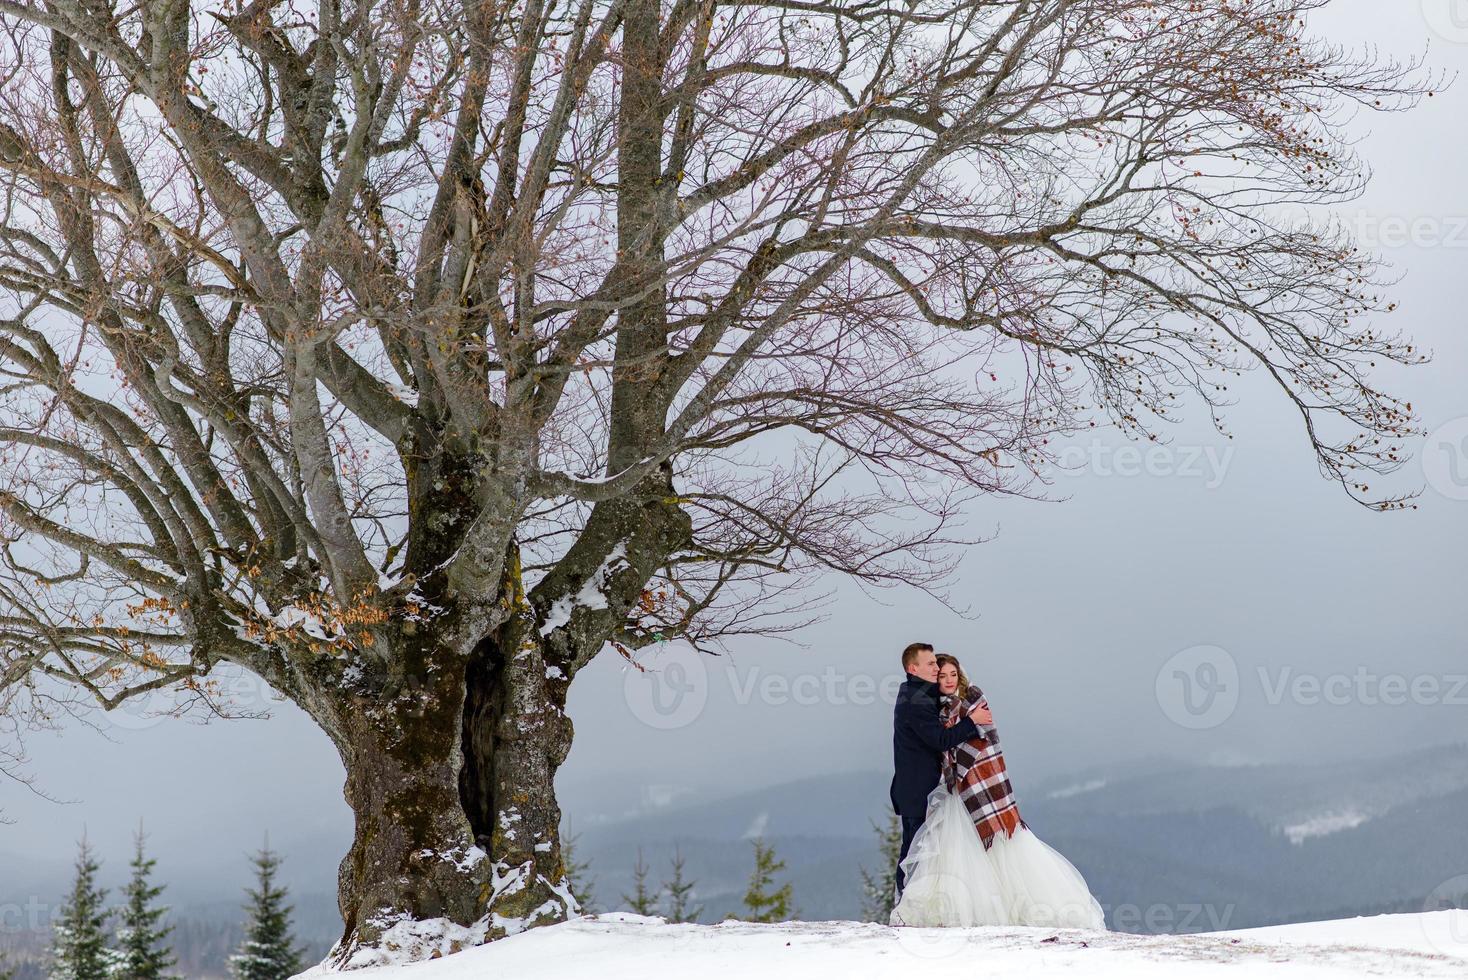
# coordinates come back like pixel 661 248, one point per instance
pixel 910 655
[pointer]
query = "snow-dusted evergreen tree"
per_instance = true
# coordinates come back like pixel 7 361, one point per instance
pixel 680 893
pixel 79 949
pixel 143 953
pixel 879 890
pixel 578 878
pixel 445 349
pixel 760 903
pixel 641 901
pixel 269 951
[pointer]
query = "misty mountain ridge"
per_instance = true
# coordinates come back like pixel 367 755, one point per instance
pixel 1204 846
pixel 1210 846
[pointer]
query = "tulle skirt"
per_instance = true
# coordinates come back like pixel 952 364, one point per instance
pixel 953 880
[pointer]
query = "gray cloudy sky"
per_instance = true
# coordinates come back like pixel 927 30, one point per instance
pixel 1216 563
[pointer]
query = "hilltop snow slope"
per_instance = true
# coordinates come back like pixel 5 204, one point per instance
pixel 622 946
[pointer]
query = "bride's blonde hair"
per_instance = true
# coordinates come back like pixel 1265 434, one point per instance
pixel 947 658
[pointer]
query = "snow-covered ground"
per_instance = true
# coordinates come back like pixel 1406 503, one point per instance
pixel 622 946
pixel 1325 823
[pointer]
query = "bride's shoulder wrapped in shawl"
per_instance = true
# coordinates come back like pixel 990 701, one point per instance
pixel 975 770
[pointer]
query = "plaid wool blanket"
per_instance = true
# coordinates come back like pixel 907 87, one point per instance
pixel 975 770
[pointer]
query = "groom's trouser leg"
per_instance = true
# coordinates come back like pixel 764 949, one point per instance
pixel 910 827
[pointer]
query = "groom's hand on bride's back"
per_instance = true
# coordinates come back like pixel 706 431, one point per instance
pixel 981 715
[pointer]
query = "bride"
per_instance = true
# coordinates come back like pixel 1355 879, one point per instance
pixel 974 862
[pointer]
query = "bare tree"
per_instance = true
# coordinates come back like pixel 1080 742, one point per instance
pixel 409 353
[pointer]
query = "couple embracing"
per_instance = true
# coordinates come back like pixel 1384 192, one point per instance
pixel 967 858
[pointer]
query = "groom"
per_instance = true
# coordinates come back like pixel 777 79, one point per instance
pixel 919 741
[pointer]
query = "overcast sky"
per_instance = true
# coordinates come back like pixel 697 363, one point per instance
pixel 1186 603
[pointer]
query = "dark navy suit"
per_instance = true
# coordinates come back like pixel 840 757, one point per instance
pixel 918 743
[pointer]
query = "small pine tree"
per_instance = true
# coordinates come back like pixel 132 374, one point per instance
pixel 79 949
pixel 269 951
pixel 641 901
pixel 680 893
pixel 878 891
pixel 761 904
pixel 141 934
pixel 581 884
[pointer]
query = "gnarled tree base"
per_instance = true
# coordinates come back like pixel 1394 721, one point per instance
pixel 451 779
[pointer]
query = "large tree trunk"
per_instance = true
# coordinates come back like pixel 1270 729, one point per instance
pixel 450 772
pixel 515 736
pixel 453 783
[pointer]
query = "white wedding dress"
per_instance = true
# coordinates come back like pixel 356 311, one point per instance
pixel 951 879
